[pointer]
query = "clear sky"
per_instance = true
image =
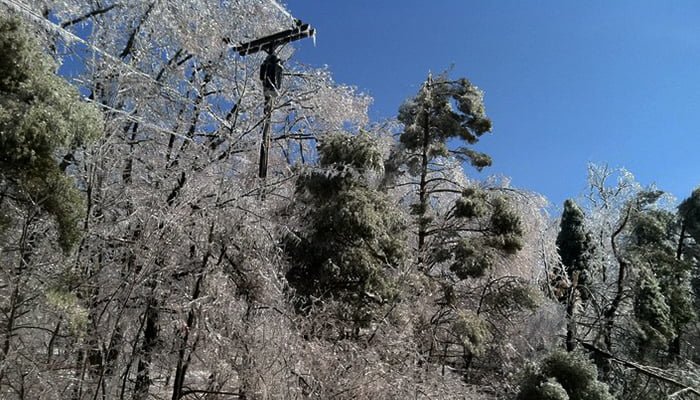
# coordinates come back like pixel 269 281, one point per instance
pixel 566 82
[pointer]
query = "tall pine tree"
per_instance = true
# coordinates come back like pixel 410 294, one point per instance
pixel 442 110
pixel 576 250
pixel 462 230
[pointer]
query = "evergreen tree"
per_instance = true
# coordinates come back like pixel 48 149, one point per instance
pixel 689 211
pixel 688 250
pixel 575 249
pixel 462 229
pixel 480 228
pixel 663 298
pixel 351 237
pixel 575 244
pixel 479 224
pixel 688 244
pixel 40 113
pixel 442 110
pixel 651 310
pixel 563 376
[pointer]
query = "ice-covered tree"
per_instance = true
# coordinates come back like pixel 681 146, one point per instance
pixel 463 231
pixel 574 243
pixel 351 238
pixel 563 376
pixel 171 195
pixel 663 303
pixel 41 209
pixel 689 240
pixel 576 252
pixel 40 114
pixel 457 223
pixel 442 110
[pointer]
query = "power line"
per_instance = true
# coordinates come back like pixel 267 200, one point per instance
pixel 65 33
pixel 70 36
pixel 133 118
pixel 282 10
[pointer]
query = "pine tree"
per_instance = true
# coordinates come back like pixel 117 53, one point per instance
pixel 452 111
pixel 651 310
pixel 575 249
pixel 575 243
pixel 39 114
pixel 688 252
pixel 351 237
pixel 442 110
pixel 563 376
pixel 663 303
pixel 462 229
pixel 689 211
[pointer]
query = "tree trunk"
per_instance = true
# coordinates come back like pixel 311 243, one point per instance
pixel 611 311
pixel 570 321
pixel 423 189
pixel 183 361
pixel 674 346
pixel 150 339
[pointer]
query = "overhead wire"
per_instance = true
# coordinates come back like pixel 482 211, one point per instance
pixel 127 115
pixel 66 33
pixel 282 10
pixel 72 37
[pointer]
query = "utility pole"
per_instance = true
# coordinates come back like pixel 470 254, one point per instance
pixel 271 76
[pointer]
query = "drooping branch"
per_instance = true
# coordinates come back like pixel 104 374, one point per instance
pixel 643 369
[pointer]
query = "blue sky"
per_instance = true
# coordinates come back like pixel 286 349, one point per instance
pixel 566 82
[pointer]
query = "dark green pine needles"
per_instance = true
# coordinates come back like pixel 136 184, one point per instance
pixel 39 114
pixel 351 236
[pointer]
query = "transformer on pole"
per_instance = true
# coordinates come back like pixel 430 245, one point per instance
pixel 271 75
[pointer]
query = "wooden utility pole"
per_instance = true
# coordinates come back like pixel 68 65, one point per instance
pixel 271 76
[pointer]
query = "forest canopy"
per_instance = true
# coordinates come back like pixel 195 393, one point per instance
pixel 144 256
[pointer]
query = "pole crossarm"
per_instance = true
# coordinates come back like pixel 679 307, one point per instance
pixel 271 77
pixel 271 42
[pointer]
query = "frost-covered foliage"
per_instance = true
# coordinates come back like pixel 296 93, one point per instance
pixel 441 110
pixel 563 376
pixel 362 267
pixel 173 208
pixel 639 303
pixel 40 113
pixel 575 243
pixel 477 246
pixel 351 238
